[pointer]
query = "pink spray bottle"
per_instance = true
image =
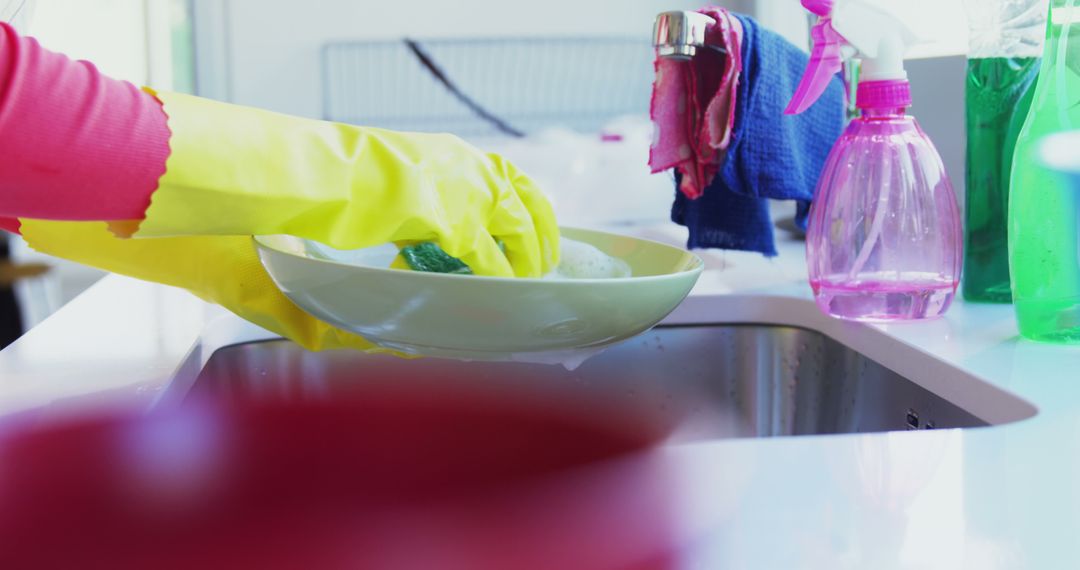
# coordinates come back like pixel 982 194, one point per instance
pixel 884 240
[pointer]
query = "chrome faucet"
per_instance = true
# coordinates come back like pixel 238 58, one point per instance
pixel 679 34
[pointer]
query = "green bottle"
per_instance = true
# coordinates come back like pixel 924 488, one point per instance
pixel 1044 224
pixel 998 88
pixel 1005 39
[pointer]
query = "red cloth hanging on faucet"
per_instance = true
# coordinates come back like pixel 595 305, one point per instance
pixel 693 105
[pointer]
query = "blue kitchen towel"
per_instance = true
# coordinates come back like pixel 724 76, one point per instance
pixel 772 155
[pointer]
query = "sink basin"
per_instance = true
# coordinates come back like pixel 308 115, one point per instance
pixel 706 382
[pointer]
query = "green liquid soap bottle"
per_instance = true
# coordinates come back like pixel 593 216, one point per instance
pixel 1003 62
pixel 1044 224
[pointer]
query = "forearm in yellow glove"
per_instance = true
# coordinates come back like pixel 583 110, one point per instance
pixel 221 269
pixel 235 170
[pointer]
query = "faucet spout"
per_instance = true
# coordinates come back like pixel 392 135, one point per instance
pixel 679 34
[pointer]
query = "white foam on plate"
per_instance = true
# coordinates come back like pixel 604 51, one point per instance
pixel 579 260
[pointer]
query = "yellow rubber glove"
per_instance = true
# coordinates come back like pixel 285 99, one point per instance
pixel 240 171
pixel 220 269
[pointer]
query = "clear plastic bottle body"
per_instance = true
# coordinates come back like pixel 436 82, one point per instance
pixel 1044 213
pixel 884 241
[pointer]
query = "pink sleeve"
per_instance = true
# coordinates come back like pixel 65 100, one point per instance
pixel 10 224
pixel 74 144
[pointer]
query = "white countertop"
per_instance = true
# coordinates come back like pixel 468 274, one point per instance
pixel 1005 496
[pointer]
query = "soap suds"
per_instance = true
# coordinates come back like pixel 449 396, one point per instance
pixel 583 261
pixel 579 260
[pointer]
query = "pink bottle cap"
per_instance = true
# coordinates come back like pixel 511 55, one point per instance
pixel 881 94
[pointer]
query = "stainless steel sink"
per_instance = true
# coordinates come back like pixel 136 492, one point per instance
pixel 710 381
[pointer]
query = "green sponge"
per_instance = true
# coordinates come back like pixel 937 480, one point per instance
pixel 428 256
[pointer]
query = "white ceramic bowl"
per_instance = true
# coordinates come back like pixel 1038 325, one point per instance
pixel 468 316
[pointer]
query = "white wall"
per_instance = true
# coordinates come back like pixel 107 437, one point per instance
pixel 266 52
pixel 272 48
pixel 125 39
pixel 110 33
pixel 941 25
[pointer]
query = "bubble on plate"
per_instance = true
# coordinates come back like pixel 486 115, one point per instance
pixel 580 260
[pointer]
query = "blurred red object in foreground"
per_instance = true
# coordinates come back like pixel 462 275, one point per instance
pixel 394 477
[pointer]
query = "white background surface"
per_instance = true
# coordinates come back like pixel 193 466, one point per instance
pixel 271 47
pixel 125 39
pixel 128 39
